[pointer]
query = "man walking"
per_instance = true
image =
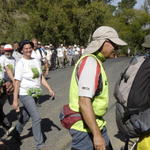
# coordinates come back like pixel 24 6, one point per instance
pixel 60 56
pixel 89 92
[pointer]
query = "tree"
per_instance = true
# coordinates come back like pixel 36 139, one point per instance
pixel 146 6
pixel 126 4
pixel 105 1
pixel 72 21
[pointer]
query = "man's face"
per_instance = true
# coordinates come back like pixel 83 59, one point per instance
pixel 108 49
pixel 8 54
pixel 35 42
pixel 15 46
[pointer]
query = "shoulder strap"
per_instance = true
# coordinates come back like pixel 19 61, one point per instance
pixel 40 52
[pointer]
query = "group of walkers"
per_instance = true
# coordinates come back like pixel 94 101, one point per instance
pixel 61 56
pixel 21 80
pixel 23 68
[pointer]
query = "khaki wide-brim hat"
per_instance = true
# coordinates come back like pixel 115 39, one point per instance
pixel 100 35
pixel 146 43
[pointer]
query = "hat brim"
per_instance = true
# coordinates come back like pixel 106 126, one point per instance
pixel 8 49
pixel 93 46
pixel 96 44
pixel 146 45
pixel 118 41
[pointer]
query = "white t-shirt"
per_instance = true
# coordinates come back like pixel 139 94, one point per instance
pixel 37 55
pixel 28 72
pixel 10 63
pixel 88 77
pixel 49 54
pixel 60 52
pixel 1 68
pixel 17 56
pixel 76 50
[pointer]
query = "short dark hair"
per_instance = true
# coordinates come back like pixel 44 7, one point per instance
pixel 15 42
pixel 3 43
pixel 24 42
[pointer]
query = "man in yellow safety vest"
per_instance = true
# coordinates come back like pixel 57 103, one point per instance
pixel 89 91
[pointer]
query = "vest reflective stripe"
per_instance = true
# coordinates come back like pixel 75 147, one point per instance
pixel 100 102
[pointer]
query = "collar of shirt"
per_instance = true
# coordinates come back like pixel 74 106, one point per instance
pixel 100 56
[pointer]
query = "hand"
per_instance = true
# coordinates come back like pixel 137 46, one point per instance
pixel 52 93
pixel 1 90
pixel 9 87
pixel 99 143
pixel 1 143
pixel 15 105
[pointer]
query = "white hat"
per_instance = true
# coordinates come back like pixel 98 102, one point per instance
pixel 8 47
pixel 102 34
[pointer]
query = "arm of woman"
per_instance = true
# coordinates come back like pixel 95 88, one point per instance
pixel 9 73
pixel 44 83
pixel 16 93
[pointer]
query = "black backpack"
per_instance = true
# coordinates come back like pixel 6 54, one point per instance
pixel 132 92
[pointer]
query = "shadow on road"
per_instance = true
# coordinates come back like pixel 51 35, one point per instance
pixel 44 98
pixel 46 125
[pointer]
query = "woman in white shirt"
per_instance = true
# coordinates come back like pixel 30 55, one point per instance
pixel 28 80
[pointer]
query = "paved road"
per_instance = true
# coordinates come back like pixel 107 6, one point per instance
pixel 58 137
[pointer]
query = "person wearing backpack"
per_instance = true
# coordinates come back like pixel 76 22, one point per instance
pixel 133 105
pixel 89 92
pixel 144 139
pixel 40 54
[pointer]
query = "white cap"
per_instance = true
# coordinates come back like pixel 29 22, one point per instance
pixel 102 34
pixel 8 47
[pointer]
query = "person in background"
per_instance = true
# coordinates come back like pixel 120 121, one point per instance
pixel 8 62
pixel 6 89
pixel 143 141
pixel 16 53
pixel 48 55
pixel 82 49
pixel 76 50
pixel 54 58
pixel 60 56
pixel 70 54
pixel 28 80
pixel 65 55
pixel 2 48
pixel 39 54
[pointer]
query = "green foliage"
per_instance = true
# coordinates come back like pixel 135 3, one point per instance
pixel 35 73
pixel 70 21
pixel 34 92
pixel 124 4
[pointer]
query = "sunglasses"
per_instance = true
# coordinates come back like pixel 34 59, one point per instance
pixel 113 44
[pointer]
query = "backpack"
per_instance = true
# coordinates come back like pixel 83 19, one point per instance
pixel 132 110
